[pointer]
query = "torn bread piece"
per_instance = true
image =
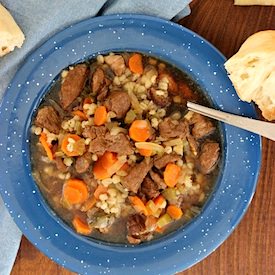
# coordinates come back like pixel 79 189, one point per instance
pixel 11 35
pixel 252 71
pixel 254 2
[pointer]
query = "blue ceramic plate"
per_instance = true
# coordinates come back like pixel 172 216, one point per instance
pixel 176 45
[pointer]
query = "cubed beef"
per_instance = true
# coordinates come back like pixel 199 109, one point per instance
pixel 161 162
pixel 73 85
pixel 119 144
pixel 169 128
pixel 48 118
pixel 136 175
pixel 202 126
pixel 209 157
pixel 60 165
pixel 94 131
pixel 149 188
pixel 102 140
pixel 158 180
pixel 90 180
pixel 98 80
pixel 159 97
pixel 117 64
pixel 119 103
pixel 83 163
pixel 136 229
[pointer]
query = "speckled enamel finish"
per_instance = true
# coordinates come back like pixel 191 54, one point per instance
pixel 177 45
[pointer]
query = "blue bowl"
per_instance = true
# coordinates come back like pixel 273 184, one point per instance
pixel 176 45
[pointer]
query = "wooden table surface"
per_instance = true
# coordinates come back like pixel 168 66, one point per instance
pixel 251 247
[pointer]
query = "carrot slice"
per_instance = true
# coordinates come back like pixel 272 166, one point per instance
pixel 138 205
pixel 160 202
pixel 46 146
pixel 99 171
pixel 135 63
pixel 88 204
pixel 108 159
pixel 160 230
pixel 174 212
pixel 87 100
pixel 75 191
pixel 172 85
pixel 124 167
pixel 78 147
pixel 145 152
pixel 100 190
pixel 81 227
pixel 140 130
pixel 171 174
pixel 80 114
pixel 100 116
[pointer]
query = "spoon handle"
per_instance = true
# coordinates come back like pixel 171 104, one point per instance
pixel 265 129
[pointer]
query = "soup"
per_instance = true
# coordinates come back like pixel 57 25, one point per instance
pixel 116 153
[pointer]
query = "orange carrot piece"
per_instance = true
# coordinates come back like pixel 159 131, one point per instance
pixel 100 190
pixel 160 230
pixel 174 212
pixel 99 171
pixel 171 174
pixel 80 114
pixel 172 85
pixel 138 205
pixel 75 191
pixel 100 116
pixel 135 63
pixel 140 130
pixel 75 152
pixel 124 167
pixel 108 159
pixel 88 204
pixel 160 201
pixel 145 152
pixel 46 146
pixel 81 227
pixel 87 100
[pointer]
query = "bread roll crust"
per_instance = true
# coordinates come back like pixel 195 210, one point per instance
pixel 252 71
pixel 11 35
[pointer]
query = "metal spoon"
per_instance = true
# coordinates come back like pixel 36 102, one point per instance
pixel 265 129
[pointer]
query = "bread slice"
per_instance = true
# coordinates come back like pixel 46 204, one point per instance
pixel 252 71
pixel 254 2
pixel 11 35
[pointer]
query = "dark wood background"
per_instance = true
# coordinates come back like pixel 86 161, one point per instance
pixel 251 248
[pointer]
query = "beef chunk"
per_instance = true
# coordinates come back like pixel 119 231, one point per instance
pixel 149 188
pixel 161 100
pixel 98 80
pixel 90 180
pixel 119 144
pixel 118 102
pixel 136 175
pixel 209 157
pixel 60 165
pixel 83 163
pixel 169 128
pixel 136 229
pixel 158 180
pixel 202 126
pixel 161 162
pixel 73 85
pixel 48 118
pixel 102 140
pixel 94 131
pixel 117 64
